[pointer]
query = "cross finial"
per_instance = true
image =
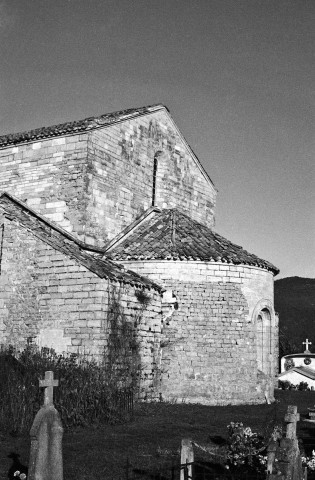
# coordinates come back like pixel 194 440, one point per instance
pixel 49 383
pixel 307 343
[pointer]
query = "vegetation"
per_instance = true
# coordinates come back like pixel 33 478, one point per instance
pixel 286 385
pixel 86 394
pixel 89 392
pixel 152 440
pixel 294 301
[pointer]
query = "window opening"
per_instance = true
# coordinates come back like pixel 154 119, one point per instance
pixel 264 341
pixel 1 243
pixel 154 180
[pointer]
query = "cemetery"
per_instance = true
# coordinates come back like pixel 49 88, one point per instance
pixel 299 368
pixel 164 440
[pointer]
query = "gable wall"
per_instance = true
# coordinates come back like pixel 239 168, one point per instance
pixel 96 183
pixel 51 176
pixel 45 294
pixel 122 156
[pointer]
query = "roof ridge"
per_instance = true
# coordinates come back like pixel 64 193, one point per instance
pixel 73 126
pixel 129 230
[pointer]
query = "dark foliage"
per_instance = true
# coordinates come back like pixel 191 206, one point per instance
pixel 294 301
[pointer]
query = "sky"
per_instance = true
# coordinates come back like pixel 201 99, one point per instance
pixel 238 77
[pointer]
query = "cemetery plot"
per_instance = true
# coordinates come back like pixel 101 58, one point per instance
pixel 152 441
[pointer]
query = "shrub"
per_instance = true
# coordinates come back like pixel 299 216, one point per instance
pixel 284 384
pixel 85 394
pixel 245 449
pixel 309 462
pixel 303 386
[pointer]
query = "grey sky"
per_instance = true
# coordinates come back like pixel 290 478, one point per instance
pixel 237 75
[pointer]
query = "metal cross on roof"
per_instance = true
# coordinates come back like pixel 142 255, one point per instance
pixel 49 383
pixel 307 343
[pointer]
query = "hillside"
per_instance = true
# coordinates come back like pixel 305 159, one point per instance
pixel 295 304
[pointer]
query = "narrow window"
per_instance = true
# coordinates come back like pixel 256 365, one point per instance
pixel 154 180
pixel 154 186
pixel 1 243
pixel 264 341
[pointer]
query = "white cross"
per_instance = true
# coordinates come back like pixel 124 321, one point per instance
pixel 49 383
pixel 307 343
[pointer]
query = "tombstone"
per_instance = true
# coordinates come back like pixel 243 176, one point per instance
pixel 46 437
pixel 291 418
pixel 283 457
pixel 186 459
pixel 311 414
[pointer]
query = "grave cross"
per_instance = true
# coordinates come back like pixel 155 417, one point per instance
pixel 49 383
pixel 291 418
pixel 307 343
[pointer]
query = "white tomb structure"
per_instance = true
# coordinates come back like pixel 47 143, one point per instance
pixel 299 367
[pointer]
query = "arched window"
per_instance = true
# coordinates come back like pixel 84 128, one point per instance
pixel 264 341
pixel 154 185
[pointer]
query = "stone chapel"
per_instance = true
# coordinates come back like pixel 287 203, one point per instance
pixel 119 207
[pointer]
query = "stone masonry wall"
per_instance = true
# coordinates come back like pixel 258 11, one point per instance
pixel 122 156
pixel 49 297
pixel 209 352
pixel 51 176
pixel 96 183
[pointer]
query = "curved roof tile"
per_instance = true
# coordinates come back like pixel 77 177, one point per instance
pixel 173 235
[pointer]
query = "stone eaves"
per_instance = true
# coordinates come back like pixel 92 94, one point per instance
pixel 172 235
pixel 17 211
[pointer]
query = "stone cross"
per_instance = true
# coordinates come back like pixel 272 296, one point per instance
pixel 291 418
pixel 307 343
pixel 49 383
pixel 46 438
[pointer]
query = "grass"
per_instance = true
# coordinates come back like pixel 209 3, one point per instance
pixel 152 440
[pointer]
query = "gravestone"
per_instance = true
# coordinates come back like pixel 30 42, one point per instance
pixel 46 437
pixel 284 458
pixel 186 459
pixel 311 414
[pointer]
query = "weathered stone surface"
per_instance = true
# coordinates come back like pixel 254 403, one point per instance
pixel 284 457
pixel 46 438
pixel 45 291
pixel 96 183
pixel 211 339
pixel 209 350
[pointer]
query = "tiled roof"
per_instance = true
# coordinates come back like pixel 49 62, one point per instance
pixel 306 372
pixel 56 237
pixel 299 355
pixel 76 126
pixel 173 235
